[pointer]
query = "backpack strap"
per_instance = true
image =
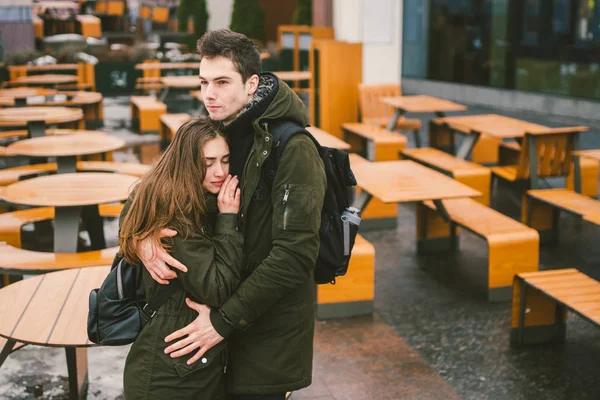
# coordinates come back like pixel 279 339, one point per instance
pixel 282 132
pixel 163 294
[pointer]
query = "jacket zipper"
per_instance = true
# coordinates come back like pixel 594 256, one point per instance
pixel 286 194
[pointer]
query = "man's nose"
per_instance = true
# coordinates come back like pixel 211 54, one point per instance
pixel 209 92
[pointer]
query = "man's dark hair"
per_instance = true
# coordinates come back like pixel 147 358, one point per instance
pixel 234 46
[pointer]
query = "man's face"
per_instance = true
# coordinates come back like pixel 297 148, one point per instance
pixel 223 92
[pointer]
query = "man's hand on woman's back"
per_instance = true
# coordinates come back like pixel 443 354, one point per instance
pixel 155 258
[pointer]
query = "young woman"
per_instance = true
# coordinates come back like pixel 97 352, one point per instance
pixel 189 190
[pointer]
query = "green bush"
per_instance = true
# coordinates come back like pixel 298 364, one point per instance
pixel 303 13
pixel 196 9
pixel 248 17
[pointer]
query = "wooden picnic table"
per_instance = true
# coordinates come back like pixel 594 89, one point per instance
pixel 73 195
pixel 167 66
pixel 406 181
pixel 419 104
pixel 36 118
pixel 186 82
pixel 66 148
pixel 498 126
pixel 45 80
pixel 51 310
pixel 327 139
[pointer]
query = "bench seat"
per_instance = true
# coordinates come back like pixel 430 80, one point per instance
pixel 541 209
pixel 145 113
pixel 376 143
pixel 512 247
pixel 541 300
pixel 12 222
pixel 471 174
pixel 14 174
pixel 352 295
pixel 18 261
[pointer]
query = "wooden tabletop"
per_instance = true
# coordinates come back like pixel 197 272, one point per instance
pixel 495 125
pixel 175 120
pixel 183 82
pixel 50 309
pixel 47 79
pixel 51 115
pixel 595 153
pixel 327 139
pixel 373 132
pixel 67 190
pixel 151 66
pixel 59 99
pixel 66 145
pixel 406 181
pixel 197 94
pixel 22 92
pixel 50 67
pixel 422 104
pixel 293 75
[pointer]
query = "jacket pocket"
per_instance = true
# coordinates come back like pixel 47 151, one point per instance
pixel 296 208
pixel 214 358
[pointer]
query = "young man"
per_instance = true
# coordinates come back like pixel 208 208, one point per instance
pixel 269 321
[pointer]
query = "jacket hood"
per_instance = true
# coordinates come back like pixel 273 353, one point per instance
pixel 284 105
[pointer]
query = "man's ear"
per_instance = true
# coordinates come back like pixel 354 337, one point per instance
pixel 252 84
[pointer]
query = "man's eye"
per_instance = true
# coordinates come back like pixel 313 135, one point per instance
pixel 203 82
pixel 222 82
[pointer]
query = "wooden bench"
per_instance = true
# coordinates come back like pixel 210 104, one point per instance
pixel 85 72
pixel 18 261
pixel 11 223
pixel 89 26
pixel 541 300
pixel 512 247
pixel 145 113
pixel 471 174
pixel 509 153
pixel 352 294
pixel 373 142
pixel 539 204
pixel 12 175
pixel 169 124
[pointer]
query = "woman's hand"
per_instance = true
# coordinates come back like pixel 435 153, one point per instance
pixel 229 196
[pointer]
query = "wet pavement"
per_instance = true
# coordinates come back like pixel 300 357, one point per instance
pixel 433 335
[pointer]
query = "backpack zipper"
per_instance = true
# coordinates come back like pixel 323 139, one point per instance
pixel 286 194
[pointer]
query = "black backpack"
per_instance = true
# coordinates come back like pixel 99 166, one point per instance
pixel 118 310
pixel 339 221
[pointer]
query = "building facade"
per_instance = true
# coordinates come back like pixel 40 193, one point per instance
pixel 546 47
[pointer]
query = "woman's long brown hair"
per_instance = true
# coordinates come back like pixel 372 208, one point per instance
pixel 171 194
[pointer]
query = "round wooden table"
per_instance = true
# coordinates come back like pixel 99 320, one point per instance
pixel 51 310
pixel 66 148
pixel 73 195
pixel 47 80
pixel 36 118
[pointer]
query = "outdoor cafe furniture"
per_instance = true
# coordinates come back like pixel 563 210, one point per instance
pixel 35 119
pixel 186 82
pixel 419 104
pixel 19 95
pixel 48 80
pixel 327 139
pixel 72 195
pixel 443 205
pixel 293 75
pixel 51 310
pixel 66 148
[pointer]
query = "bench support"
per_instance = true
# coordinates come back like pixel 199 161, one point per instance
pixel 542 217
pixel 77 367
pixel 66 229
pixel 536 318
pixel 434 232
pixel 36 129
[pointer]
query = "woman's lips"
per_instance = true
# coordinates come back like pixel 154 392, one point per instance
pixel 218 183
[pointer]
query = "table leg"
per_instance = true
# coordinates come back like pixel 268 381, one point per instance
pixel 362 200
pixel 164 94
pixel 36 128
pixel 6 350
pixel 20 101
pixel 66 165
pixel 93 223
pixel 466 147
pixel 392 124
pixel 77 367
pixel 66 229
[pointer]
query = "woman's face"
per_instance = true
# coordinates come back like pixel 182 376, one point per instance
pixel 216 152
